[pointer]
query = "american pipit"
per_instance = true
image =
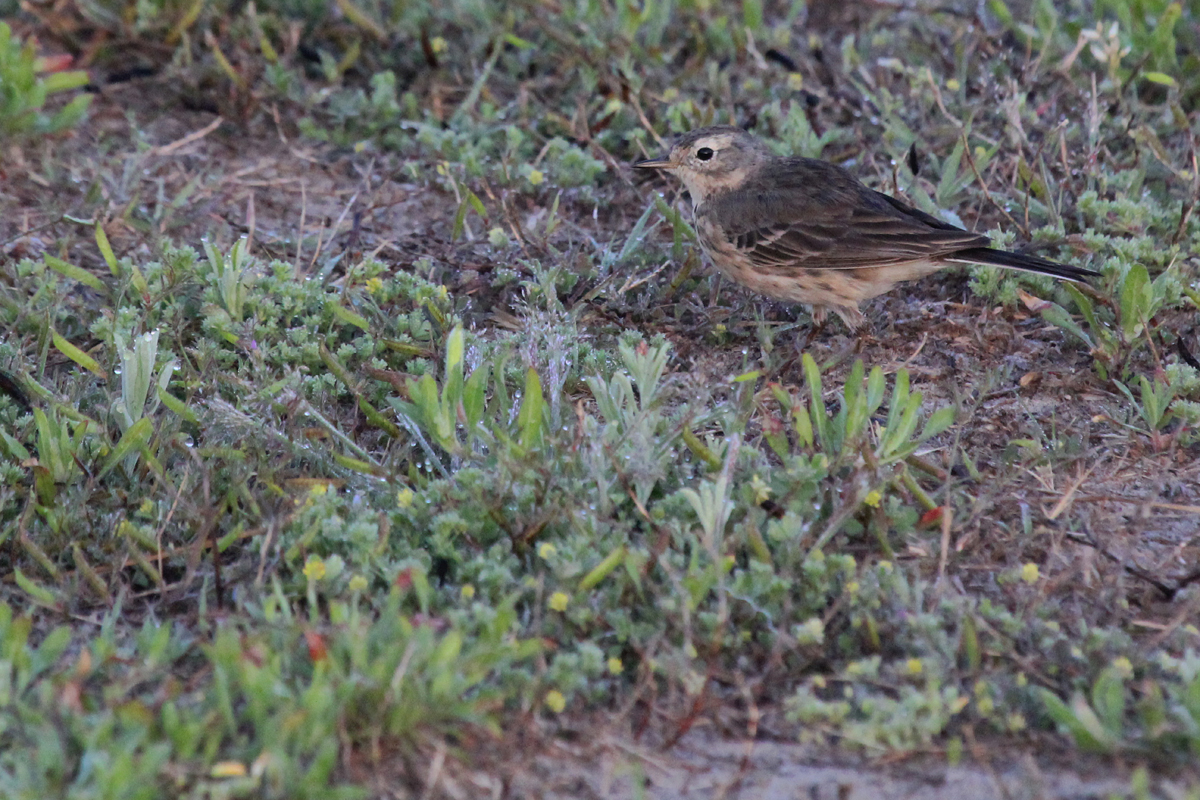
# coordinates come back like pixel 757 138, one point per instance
pixel 808 231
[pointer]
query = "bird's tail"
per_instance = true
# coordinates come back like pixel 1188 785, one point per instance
pixel 1003 258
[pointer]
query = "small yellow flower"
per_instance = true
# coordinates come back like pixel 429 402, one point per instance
pixel 953 85
pixel 374 285
pixel 818 682
pixel 795 81
pixel 812 631
pixel 1016 722
pixel 228 769
pixel 915 667
pixel 404 497
pixel 873 498
pixel 497 237
pixel 1029 573
pixel 146 508
pixel 762 492
pixel 547 551
pixel 467 591
pixel 358 583
pixel 318 489
pixel 885 566
pixel 536 176
pixel 438 45
pixel 555 701
pixel 558 601
pixel 1123 666
pixel 852 587
pixel 314 570
pixel 615 667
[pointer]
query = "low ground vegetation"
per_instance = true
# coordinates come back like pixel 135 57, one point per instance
pixel 362 411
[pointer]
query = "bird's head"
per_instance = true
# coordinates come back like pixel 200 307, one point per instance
pixel 712 160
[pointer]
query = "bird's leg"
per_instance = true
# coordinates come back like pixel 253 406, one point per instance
pixel 819 315
pixel 860 330
pixel 850 315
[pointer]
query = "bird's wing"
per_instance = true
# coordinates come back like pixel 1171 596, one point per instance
pixel 846 229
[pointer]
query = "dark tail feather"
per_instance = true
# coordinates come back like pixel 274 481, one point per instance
pixel 1003 258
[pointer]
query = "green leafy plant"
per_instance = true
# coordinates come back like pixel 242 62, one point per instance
pixel 461 403
pixel 1166 718
pixel 439 413
pixel 1147 29
pixel 60 453
pixel 1113 339
pixel 25 87
pixel 270 723
pixel 635 431
pixel 231 277
pixel 841 435
pixel 137 378
pixel 1160 409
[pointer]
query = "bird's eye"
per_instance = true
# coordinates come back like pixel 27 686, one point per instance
pixel 704 153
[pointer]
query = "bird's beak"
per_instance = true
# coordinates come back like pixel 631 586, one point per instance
pixel 654 163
